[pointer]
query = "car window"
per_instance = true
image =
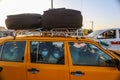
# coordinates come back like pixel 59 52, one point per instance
pixel 111 34
pixel 0 49
pixel 86 54
pixel 94 33
pixel 47 52
pixel 13 51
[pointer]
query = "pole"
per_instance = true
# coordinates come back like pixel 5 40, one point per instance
pixel 92 25
pixel 81 6
pixel 51 4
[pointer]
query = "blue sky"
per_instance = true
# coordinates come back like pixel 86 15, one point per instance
pixel 104 13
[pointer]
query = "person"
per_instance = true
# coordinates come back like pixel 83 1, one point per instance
pixel 11 54
pixel 75 52
pixel 56 56
pixel 104 35
pixel 110 35
pixel 34 55
pixel 44 53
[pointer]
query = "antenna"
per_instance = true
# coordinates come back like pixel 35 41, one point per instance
pixel 81 5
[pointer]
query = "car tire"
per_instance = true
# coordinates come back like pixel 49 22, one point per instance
pixel 62 18
pixel 23 21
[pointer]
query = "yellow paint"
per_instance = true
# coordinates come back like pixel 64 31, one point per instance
pixel 19 70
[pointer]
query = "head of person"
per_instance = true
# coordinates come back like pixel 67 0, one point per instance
pixel 44 52
pixel 56 53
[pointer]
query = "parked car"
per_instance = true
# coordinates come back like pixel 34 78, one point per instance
pixel 46 57
pixel 109 36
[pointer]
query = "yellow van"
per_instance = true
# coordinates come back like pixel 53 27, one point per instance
pixel 56 58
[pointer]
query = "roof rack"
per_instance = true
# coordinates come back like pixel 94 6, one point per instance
pixel 56 32
pixel 59 32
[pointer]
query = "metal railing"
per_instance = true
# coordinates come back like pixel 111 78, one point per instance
pixel 59 32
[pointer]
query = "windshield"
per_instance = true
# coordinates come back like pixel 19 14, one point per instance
pixel 94 33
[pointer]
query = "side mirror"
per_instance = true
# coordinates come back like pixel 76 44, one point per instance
pixel 117 62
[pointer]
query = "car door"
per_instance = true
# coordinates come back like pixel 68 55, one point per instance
pixel 12 64
pixel 88 62
pixel 47 61
pixel 116 43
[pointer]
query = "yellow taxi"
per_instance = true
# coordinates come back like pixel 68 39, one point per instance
pixel 33 57
pixel 116 52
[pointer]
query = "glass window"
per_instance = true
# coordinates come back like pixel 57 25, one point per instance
pixel 13 51
pixel 47 52
pixel 0 49
pixel 89 55
pixel 108 34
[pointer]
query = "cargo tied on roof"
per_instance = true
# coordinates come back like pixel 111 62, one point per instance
pixel 23 21
pixel 53 18
pixel 62 18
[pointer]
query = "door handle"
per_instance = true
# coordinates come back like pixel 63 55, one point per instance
pixel 33 70
pixel 1 68
pixel 77 73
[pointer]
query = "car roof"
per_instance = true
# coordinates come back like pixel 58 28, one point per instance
pixel 109 29
pixel 97 32
pixel 46 38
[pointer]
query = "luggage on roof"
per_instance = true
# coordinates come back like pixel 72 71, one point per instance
pixel 62 18
pixel 23 21
pixel 53 18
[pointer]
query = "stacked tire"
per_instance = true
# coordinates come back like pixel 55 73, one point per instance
pixel 23 21
pixel 53 18
pixel 62 18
